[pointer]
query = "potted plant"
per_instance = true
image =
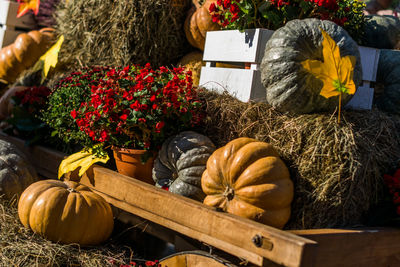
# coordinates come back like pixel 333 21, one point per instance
pixel 133 110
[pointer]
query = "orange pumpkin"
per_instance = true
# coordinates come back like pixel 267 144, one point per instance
pixel 66 212
pixel 198 23
pixel 24 52
pixel 247 178
pixel 193 61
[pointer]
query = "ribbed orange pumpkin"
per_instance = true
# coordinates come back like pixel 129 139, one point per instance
pixel 198 23
pixel 247 178
pixel 66 212
pixel 24 52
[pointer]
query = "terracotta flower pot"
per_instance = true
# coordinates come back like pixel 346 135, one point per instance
pixel 128 163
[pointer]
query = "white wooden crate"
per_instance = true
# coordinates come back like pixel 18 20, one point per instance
pixel 364 95
pixel 8 17
pixel 7 37
pixel 234 46
pixel 249 47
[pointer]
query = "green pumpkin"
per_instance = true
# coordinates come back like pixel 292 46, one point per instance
pixel 181 162
pixel 289 87
pixel 382 32
pixel 389 76
pixel 16 173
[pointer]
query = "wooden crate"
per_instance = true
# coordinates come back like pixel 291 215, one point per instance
pixel 170 216
pixel 247 48
pixel 235 47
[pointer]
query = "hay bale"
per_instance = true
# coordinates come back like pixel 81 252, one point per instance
pixel 337 169
pixel 108 32
pixel 21 247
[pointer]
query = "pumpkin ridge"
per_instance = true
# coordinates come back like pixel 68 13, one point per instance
pixel 91 235
pixel 87 211
pixel 25 212
pixel 242 159
pixel 40 212
pixel 273 196
pixel 68 217
pixel 264 170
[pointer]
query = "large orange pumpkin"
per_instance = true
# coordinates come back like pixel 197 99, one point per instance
pixel 24 52
pixel 198 23
pixel 66 212
pixel 247 178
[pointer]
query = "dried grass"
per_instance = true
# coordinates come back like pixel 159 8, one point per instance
pixel 116 33
pixel 337 169
pixel 21 247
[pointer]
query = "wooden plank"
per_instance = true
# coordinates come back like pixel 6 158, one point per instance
pixel 221 230
pixel 244 84
pixel 358 247
pixel 236 46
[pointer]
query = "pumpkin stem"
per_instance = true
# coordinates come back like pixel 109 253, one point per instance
pixel 229 193
pixel 71 190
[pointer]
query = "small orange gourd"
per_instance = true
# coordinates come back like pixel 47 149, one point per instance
pixel 198 23
pixel 24 52
pixel 66 212
pixel 247 178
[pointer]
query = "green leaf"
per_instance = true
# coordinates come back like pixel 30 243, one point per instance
pixel 305 5
pixel 245 7
pixel 263 8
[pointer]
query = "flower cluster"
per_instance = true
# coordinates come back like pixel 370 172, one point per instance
pixel 25 116
pixel 393 183
pixel 33 99
pixel 68 95
pixel 138 107
pixel 272 14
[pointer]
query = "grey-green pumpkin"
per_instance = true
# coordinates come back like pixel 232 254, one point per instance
pixel 389 76
pixel 181 162
pixel 289 87
pixel 16 173
pixel 382 32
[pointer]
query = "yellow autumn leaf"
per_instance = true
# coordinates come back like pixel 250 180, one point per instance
pixel 26 5
pixel 334 71
pixel 50 58
pixel 83 159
